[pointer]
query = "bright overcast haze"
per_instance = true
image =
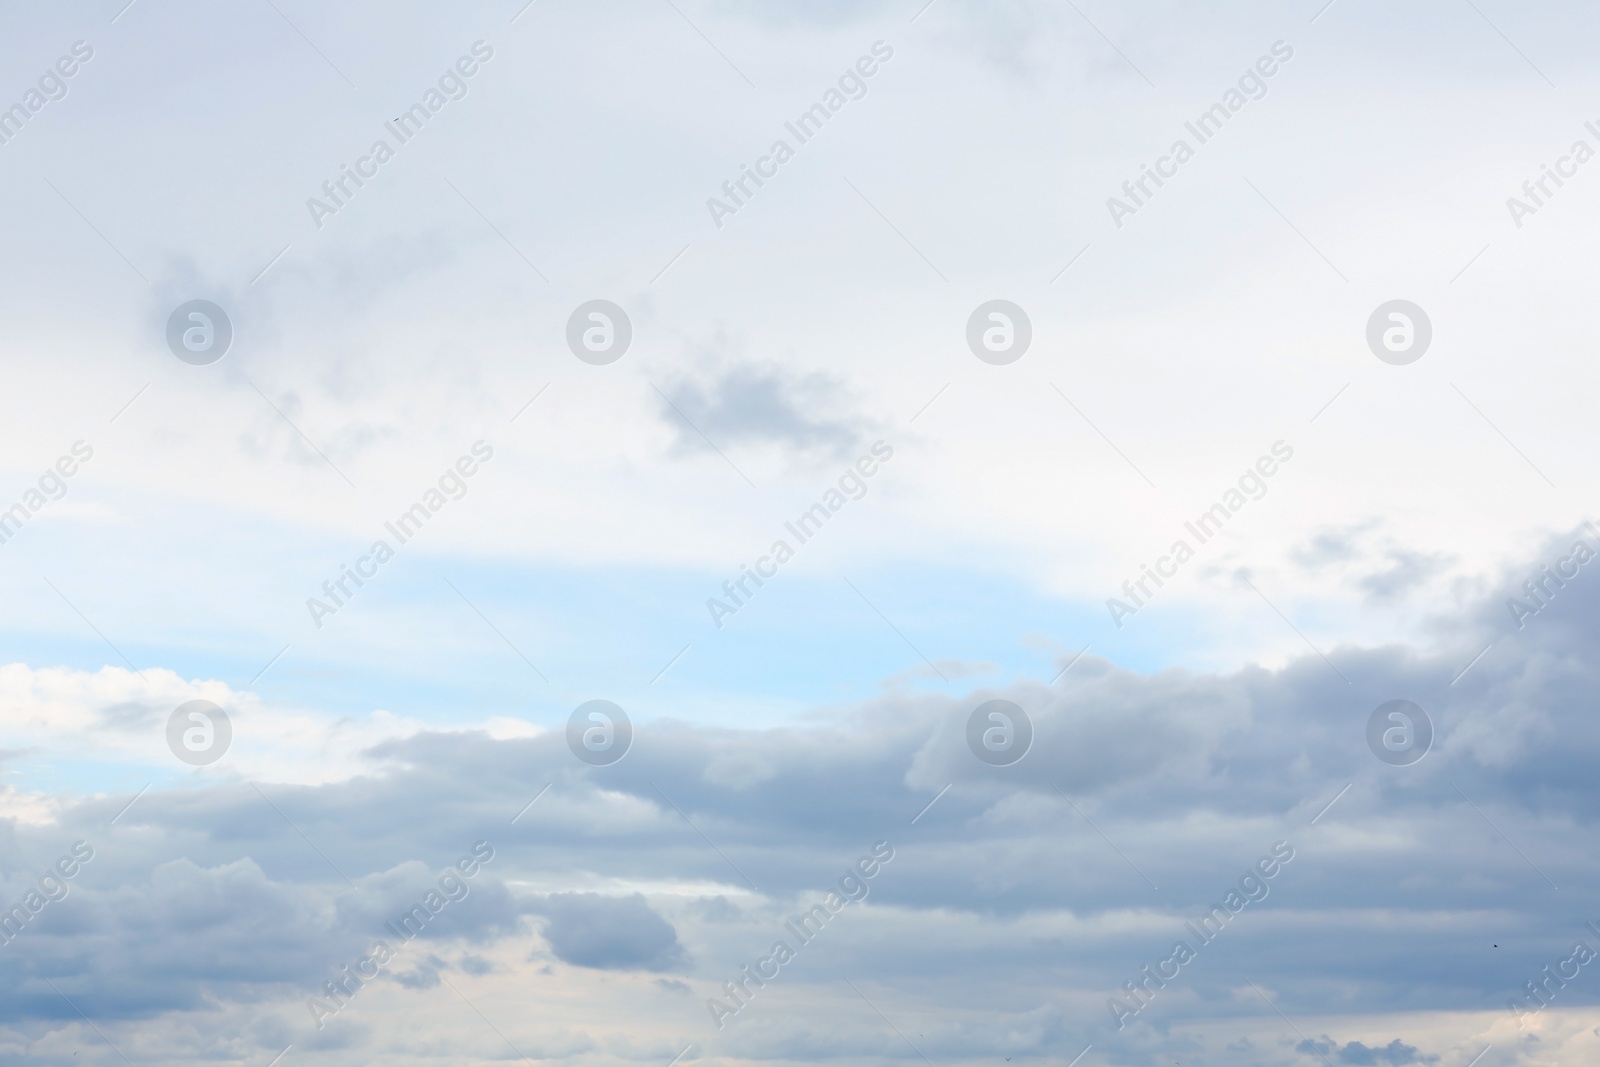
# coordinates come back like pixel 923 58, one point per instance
pixel 888 532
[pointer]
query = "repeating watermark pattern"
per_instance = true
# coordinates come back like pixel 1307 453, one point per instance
pixel 452 85
pixel 52 887
pixel 1252 889
pixel 599 332
pixel 1541 590
pixel 51 86
pixel 52 485
pixel 852 85
pixel 1005 146
pixel 852 485
pixel 1252 85
pixel 999 332
pixel 1206 526
pixel 199 732
pixel 451 485
pixel 1399 733
pixel 852 886
pixel 199 332
pixel 999 732
pixel 1536 996
pixel 1399 332
pixel 451 887
pixel 1536 192
pixel 599 732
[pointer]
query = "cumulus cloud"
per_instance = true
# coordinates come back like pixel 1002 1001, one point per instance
pixel 609 933
pixel 804 414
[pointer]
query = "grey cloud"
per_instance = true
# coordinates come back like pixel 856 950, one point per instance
pixel 1568 609
pixel 474 965
pixel 128 715
pixel 610 933
pixel 1406 571
pixel 1395 1052
pixel 804 414
pixel 1384 572
pixel 424 974
pixel 1338 544
pixel 716 909
pixel 228 931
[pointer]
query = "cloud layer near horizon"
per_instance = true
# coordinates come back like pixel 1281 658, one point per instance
pixel 1046 884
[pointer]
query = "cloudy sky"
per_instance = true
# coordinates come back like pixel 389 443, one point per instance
pixel 390 376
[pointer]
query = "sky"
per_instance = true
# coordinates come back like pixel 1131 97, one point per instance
pixel 1090 549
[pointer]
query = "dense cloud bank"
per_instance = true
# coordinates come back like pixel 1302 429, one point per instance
pixel 1048 884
